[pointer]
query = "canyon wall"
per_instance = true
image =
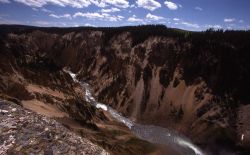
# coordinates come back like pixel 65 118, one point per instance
pixel 193 82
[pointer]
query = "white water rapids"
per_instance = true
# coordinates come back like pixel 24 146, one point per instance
pixel 150 133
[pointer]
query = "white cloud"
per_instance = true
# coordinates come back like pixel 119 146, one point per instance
pixel 190 25
pixel 105 3
pixel 154 17
pixel 118 3
pixel 63 3
pixel 176 19
pixel 171 5
pixel 90 25
pixel 31 3
pixel 4 1
pixel 119 16
pixel 99 3
pixel 198 8
pixel 229 20
pixel 74 3
pixel 133 6
pixel 241 21
pixel 217 26
pixel 214 26
pixel 110 10
pixel 68 16
pixel 88 15
pixel 148 4
pixel 135 19
pixel 98 16
pixel 46 10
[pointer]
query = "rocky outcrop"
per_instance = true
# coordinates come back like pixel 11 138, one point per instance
pixel 195 83
pixel 25 132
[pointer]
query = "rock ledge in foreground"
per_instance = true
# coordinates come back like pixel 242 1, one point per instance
pixel 24 132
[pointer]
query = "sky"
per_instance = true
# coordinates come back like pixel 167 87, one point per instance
pixel 195 15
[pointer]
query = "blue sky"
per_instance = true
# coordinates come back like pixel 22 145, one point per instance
pixel 185 14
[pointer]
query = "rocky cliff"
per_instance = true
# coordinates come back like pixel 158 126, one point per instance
pixel 193 82
pixel 25 132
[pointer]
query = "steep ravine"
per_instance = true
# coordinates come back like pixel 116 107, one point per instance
pixel 175 84
pixel 150 133
pixel 193 82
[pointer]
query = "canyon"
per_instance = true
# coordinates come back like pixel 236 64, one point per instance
pixel 193 83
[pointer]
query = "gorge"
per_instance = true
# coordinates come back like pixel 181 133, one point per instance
pixel 151 133
pixel 158 81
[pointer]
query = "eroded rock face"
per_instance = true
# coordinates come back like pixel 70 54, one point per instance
pixel 25 132
pixel 32 75
pixel 175 84
pixel 190 82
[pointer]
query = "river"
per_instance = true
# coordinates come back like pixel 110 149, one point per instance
pixel 150 133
